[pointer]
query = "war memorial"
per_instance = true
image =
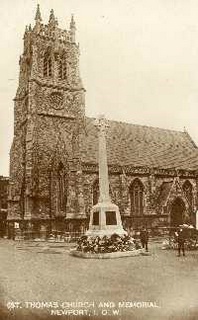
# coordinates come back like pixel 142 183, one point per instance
pixel 105 237
pixel 80 192
pixel 54 172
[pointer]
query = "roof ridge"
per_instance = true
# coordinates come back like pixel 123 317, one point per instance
pixel 129 143
pixel 140 125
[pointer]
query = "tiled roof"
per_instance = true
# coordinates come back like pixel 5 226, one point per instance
pixel 130 144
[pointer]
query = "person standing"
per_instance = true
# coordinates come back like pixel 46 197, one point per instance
pixel 180 236
pixel 144 238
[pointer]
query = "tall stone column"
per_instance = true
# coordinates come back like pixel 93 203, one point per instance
pixel 103 167
pixel 105 217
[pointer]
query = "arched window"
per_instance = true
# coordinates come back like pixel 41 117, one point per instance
pixel 47 65
pixel 62 188
pixel 62 69
pixel 187 188
pixel 95 191
pixel 136 191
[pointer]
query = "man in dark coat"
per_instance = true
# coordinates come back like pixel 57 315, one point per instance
pixel 181 237
pixel 144 238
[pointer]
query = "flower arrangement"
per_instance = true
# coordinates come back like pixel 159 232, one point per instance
pixel 107 244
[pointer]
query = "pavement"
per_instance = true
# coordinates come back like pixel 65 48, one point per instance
pixel 40 280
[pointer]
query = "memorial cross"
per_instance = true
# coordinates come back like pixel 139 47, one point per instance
pixel 102 125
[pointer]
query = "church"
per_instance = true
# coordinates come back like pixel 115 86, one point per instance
pixel 54 183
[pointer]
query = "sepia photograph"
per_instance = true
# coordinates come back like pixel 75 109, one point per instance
pixel 99 160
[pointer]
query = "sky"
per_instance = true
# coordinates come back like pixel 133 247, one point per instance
pixel 138 63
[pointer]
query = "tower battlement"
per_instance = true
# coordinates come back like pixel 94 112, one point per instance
pixel 51 30
pixel 50 56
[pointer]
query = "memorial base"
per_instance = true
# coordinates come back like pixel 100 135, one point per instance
pixel 105 220
pixel 109 255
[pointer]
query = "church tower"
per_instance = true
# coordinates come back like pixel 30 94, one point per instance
pixel 45 167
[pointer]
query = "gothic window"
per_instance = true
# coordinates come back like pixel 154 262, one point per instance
pixel 62 188
pixel 136 192
pixel 62 69
pixel 95 192
pixel 187 188
pixel 47 66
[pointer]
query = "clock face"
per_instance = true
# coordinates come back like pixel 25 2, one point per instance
pixel 56 100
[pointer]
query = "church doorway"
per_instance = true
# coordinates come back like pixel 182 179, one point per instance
pixel 177 212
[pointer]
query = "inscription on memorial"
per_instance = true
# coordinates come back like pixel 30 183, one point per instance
pixel 111 218
pixel 96 218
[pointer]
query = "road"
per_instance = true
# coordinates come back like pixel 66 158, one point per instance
pixel 41 280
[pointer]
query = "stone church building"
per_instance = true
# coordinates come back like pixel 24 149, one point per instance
pixel 54 155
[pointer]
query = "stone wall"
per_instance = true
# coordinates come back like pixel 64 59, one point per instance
pixel 155 211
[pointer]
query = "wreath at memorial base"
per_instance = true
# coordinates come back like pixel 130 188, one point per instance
pixel 107 244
